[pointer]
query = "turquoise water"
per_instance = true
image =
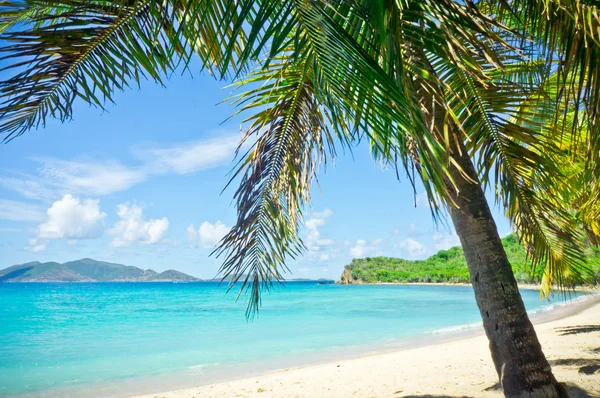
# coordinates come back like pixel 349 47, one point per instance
pixel 79 336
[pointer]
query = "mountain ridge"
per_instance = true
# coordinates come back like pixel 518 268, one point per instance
pixel 88 270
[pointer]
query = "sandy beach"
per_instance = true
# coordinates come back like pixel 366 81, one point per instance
pixel 458 368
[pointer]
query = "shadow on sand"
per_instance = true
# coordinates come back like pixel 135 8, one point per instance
pixel 434 396
pixel 576 392
pixel 586 366
pixel 578 329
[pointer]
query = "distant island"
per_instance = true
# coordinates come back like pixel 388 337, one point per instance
pixel 88 270
pixel 448 266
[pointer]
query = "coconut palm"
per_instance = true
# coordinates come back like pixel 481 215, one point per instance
pixel 456 92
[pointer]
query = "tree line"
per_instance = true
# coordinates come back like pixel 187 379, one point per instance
pixel 450 266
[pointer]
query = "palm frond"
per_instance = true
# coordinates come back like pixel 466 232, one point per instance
pixel 80 49
pixel 567 35
pixel 13 13
pixel 66 49
pixel 291 132
pixel 511 143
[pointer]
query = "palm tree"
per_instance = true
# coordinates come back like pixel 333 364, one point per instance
pixel 434 84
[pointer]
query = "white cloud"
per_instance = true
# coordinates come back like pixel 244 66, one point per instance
pixel 134 228
pixel 314 242
pixel 90 177
pixel 445 241
pixel 71 218
pixel 4 229
pixel 30 187
pixel 208 235
pixel 192 156
pixel 324 257
pixel 412 248
pixel 36 245
pixel 57 177
pixel 362 248
pixel 19 211
pixel 416 230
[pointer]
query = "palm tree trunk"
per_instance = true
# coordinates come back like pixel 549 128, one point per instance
pixel 520 363
pixel 522 368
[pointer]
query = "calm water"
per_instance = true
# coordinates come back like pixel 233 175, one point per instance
pixel 83 336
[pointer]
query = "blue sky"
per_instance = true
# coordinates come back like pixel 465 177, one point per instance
pixel 140 184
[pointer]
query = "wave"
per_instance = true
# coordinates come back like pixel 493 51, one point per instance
pixel 203 366
pixel 456 328
pixel 540 310
pixel 558 304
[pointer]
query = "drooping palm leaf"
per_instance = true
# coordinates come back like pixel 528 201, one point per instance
pixel 566 33
pixel 291 134
pixel 84 49
pixel 510 143
pixel 521 157
pixel 62 50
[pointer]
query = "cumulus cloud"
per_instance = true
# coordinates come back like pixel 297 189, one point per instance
pixel 412 248
pixel 314 241
pixel 362 248
pixel 208 235
pixel 72 218
pixel 324 257
pixel 36 245
pixel 133 228
pixel 19 211
pixel 445 241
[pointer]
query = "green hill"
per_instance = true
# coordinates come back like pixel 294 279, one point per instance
pixel 445 266
pixel 87 270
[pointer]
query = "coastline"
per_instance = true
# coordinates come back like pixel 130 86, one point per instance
pixel 529 286
pixel 399 370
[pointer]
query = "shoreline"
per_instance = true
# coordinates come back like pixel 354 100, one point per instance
pixel 426 347
pixel 528 286
pixel 216 375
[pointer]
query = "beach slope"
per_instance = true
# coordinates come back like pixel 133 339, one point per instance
pixel 459 368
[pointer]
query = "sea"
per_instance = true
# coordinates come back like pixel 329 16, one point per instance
pixel 120 339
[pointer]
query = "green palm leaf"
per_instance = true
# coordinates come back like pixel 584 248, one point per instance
pixel 86 50
pixel 290 132
pixel 68 49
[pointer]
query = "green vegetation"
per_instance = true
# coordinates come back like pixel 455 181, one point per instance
pixel 448 266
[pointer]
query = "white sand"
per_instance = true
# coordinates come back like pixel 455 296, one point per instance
pixel 460 368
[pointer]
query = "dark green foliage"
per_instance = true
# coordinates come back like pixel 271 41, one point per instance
pixel 450 266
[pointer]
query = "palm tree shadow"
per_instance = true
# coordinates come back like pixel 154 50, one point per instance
pixel 586 366
pixel 434 396
pixel 494 387
pixel 578 329
pixel 575 391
